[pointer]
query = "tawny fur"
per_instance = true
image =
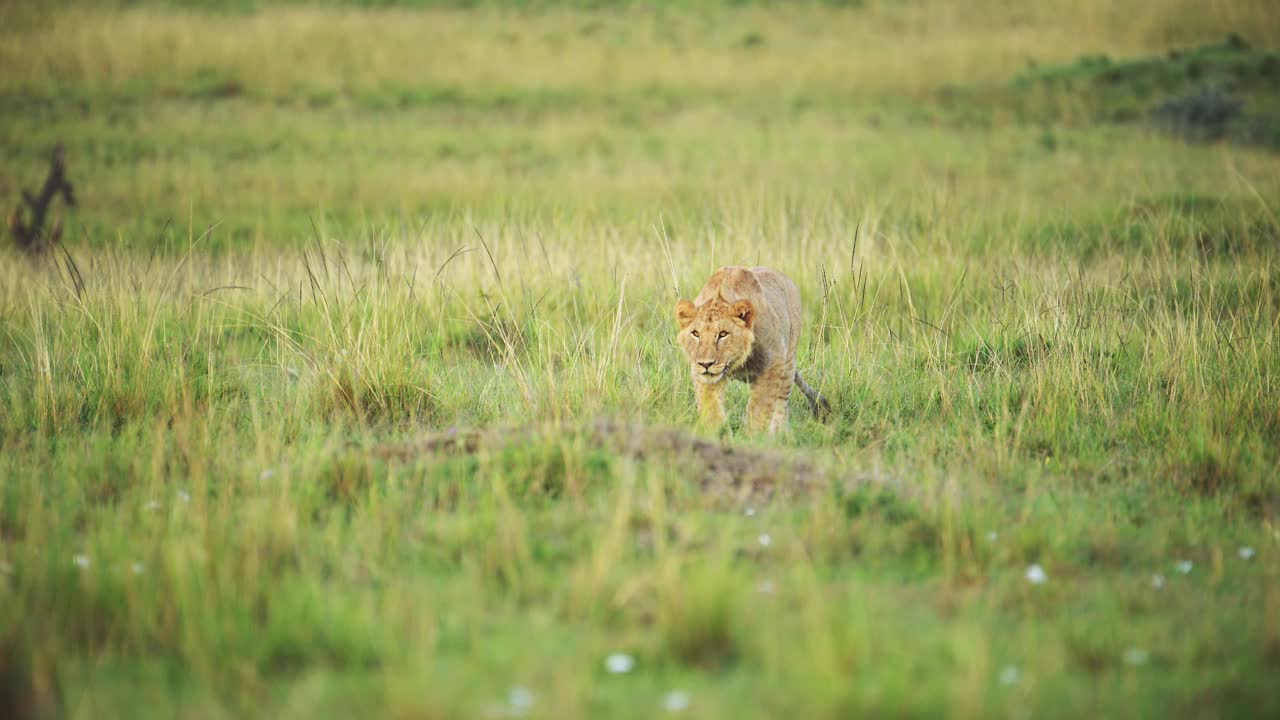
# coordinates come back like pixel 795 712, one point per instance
pixel 745 325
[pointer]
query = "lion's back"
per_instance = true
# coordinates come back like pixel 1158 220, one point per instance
pixel 782 295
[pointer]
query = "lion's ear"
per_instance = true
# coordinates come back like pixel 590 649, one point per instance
pixel 743 310
pixel 685 313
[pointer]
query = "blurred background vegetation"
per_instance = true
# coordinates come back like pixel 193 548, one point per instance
pixel 269 117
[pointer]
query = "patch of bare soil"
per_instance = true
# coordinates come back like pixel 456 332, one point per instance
pixel 728 471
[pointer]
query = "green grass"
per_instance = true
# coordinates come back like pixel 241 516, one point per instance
pixel 314 244
pixel 1224 90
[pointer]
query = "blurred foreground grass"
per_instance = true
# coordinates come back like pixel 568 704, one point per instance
pixel 308 236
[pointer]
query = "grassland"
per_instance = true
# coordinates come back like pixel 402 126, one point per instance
pixel 309 238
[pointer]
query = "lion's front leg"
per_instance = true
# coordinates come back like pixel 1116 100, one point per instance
pixel 710 404
pixel 768 409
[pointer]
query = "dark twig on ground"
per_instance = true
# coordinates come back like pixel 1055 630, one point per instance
pixel 27 228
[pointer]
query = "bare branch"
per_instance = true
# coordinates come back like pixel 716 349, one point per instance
pixel 27 228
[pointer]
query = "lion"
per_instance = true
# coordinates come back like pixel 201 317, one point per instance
pixel 745 325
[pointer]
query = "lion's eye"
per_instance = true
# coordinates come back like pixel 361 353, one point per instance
pixel 724 334
pixel 694 333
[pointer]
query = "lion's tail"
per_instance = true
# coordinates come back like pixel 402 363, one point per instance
pixel 821 408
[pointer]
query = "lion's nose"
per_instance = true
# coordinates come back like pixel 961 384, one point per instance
pixel 707 365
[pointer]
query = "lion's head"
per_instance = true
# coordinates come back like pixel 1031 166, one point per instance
pixel 716 336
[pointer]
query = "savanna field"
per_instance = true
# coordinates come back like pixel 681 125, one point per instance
pixel 351 388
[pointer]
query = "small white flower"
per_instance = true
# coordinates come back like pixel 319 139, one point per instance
pixel 765 540
pixel 152 506
pixel 1183 566
pixel 82 560
pixel 619 663
pixel 1157 581
pixel 1036 575
pixel 1009 675
pixel 520 699
pixel 267 474
pixel 765 587
pixel 138 568
pixel 749 512
pixel 992 536
pixel 184 496
pixel 676 701
pixel 1247 553
pixel 1136 656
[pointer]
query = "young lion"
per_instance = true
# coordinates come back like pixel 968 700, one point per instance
pixel 745 324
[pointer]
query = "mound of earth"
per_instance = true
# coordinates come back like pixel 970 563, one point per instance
pixel 734 471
